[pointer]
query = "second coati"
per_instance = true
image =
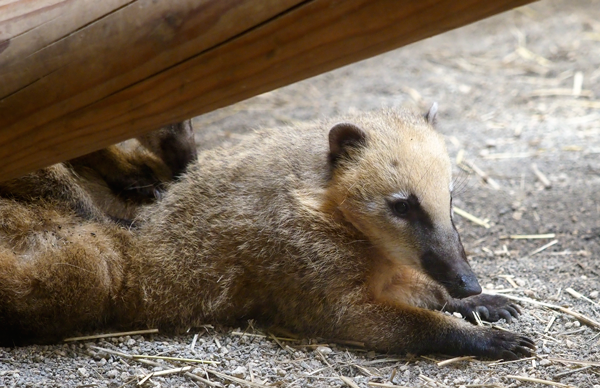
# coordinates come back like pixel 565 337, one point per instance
pixel 114 181
pixel 338 229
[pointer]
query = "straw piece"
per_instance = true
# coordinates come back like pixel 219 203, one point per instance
pixel 383 385
pixel 110 335
pixel 454 360
pixel 577 84
pixel 164 373
pixel 580 317
pixel 570 372
pixel 580 296
pixel 348 381
pixel 138 356
pixel 539 381
pixel 545 181
pixel 262 336
pixel 471 217
pixel 483 175
pixel 531 236
pixel 576 362
pixel 543 247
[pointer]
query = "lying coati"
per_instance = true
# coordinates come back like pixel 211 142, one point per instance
pixel 114 181
pixel 338 229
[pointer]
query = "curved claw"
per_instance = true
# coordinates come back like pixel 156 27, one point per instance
pixel 506 315
pixel 512 311
pixel 483 312
pixel 527 343
pixel 489 307
pixel 516 308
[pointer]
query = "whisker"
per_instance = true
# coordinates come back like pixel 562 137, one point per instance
pixel 461 183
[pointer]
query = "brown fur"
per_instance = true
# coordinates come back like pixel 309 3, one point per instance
pixel 288 229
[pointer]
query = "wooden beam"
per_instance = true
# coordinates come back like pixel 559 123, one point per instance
pixel 78 75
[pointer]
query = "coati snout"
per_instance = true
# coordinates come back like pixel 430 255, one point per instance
pixel 445 261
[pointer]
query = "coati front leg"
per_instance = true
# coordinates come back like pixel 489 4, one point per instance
pixel 404 285
pixel 410 295
pixel 400 327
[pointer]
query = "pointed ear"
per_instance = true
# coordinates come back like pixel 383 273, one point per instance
pixel 431 116
pixel 341 137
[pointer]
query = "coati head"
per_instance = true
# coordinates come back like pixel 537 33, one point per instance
pixel 391 176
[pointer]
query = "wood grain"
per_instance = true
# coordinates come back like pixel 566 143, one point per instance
pixel 92 73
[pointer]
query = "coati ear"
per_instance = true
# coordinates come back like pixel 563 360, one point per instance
pixel 341 137
pixel 431 116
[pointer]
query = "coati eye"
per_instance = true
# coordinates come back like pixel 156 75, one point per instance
pixel 400 208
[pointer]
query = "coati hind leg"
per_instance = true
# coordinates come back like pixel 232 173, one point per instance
pixel 58 276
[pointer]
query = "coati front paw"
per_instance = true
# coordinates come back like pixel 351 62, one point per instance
pixel 505 345
pixel 489 307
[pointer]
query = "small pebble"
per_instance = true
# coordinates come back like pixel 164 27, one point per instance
pixel 324 350
pixel 280 372
pixel 239 372
pixel 593 294
pixel 83 372
pixel 545 362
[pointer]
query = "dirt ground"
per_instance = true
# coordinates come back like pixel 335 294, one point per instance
pixel 515 91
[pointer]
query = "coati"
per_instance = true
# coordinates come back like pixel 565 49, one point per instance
pixel 112 182
pixel 340 229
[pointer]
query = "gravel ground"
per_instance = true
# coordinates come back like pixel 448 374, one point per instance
pixel 515 90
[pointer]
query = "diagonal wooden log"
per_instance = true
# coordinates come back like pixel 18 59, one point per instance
pixel 78 75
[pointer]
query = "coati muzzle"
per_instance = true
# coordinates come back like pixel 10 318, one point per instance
pixel 446 262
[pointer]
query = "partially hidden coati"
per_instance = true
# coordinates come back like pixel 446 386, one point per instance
pixel 338 229
pixel 112 182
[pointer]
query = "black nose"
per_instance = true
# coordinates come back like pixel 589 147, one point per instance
pixel 467 285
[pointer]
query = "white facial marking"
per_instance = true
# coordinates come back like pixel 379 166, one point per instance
pixel 399 196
